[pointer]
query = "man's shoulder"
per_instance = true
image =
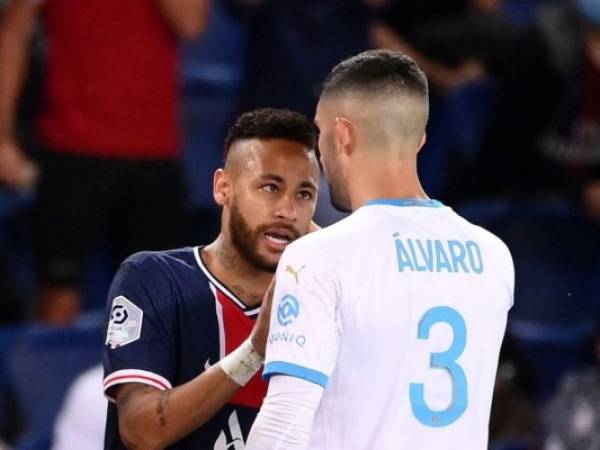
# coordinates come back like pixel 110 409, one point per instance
pixel 329 247
pixel 171 272
pixel 339 233
pixel 175 258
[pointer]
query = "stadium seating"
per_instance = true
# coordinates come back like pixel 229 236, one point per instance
pixel 556 295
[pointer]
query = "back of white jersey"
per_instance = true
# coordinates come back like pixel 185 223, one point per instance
pixel 399 311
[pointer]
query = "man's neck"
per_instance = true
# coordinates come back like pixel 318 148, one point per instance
pixel 391 181
pixel 239 276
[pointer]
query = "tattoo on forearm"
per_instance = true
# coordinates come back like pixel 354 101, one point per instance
pixel 163 399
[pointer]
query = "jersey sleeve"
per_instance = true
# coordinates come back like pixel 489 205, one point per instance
pixel 138 347
pixel 304 334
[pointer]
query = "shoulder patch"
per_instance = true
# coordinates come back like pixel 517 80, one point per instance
pixel 125 323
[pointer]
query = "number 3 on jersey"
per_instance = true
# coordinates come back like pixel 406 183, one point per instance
pixel 443 360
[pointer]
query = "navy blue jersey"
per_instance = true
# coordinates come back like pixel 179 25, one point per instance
pixel 169 320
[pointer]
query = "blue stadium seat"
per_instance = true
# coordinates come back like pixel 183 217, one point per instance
pixel 555 254
pixel 41 365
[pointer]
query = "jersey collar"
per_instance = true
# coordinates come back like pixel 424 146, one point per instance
pixel 250 312
pixel 423 202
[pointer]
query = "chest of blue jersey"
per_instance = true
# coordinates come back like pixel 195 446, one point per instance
pixel 190 321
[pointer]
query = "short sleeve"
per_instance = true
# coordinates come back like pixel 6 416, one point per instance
pixel 138 347
pixel 304 334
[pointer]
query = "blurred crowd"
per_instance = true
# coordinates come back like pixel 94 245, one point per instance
pixel 112 117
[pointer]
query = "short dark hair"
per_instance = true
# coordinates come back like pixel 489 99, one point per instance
pixel 377 71
pixel 271 123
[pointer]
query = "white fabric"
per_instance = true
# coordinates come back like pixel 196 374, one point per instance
pixel 82 419
pixel 356 310
pixel 290 406
pixel 242 363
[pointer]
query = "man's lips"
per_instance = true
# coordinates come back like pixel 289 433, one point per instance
pixel 278 237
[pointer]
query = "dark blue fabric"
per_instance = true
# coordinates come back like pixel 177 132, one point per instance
pixel 179 334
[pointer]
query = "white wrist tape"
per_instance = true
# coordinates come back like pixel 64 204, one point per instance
pixel 242 363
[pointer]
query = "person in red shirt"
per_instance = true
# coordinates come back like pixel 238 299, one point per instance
pixel 108 127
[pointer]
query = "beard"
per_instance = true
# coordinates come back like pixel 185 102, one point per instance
pixel 245 239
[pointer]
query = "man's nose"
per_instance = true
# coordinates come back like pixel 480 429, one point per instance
pixel 286 208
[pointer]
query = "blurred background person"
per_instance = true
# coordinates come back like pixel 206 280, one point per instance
pixel 80 422
pixel 572 417
pixel 108 135
pixel 544 134
pixel 514 421
pixel 456 41
pixel 462 46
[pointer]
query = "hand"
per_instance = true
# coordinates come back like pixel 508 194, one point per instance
pixel 16 170
pixel 260 332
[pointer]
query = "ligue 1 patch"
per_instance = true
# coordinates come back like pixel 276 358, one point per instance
pixel 125 324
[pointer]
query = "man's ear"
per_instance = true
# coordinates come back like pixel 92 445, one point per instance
pixel 222 187
pixel 344 135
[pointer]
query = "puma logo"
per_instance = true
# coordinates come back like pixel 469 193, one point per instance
pixel 295 273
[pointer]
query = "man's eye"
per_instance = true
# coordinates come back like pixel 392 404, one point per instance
pixel 270 188
pixel 305 195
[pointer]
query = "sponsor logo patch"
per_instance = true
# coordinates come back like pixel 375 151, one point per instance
pixel 288 310
pixel 125 324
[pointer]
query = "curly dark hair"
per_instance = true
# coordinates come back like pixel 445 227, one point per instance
pixel 270 123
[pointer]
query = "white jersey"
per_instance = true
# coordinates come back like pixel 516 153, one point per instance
pixel 398 311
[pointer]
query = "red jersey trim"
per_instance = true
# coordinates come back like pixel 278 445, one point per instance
pixel 221 287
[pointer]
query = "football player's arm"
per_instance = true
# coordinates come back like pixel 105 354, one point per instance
pixel 286 416
pixel 150 418
pixel 187 18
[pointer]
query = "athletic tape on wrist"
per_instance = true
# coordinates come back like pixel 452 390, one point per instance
pixel 242 363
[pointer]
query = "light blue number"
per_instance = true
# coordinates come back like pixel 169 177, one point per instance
pixel 443 360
